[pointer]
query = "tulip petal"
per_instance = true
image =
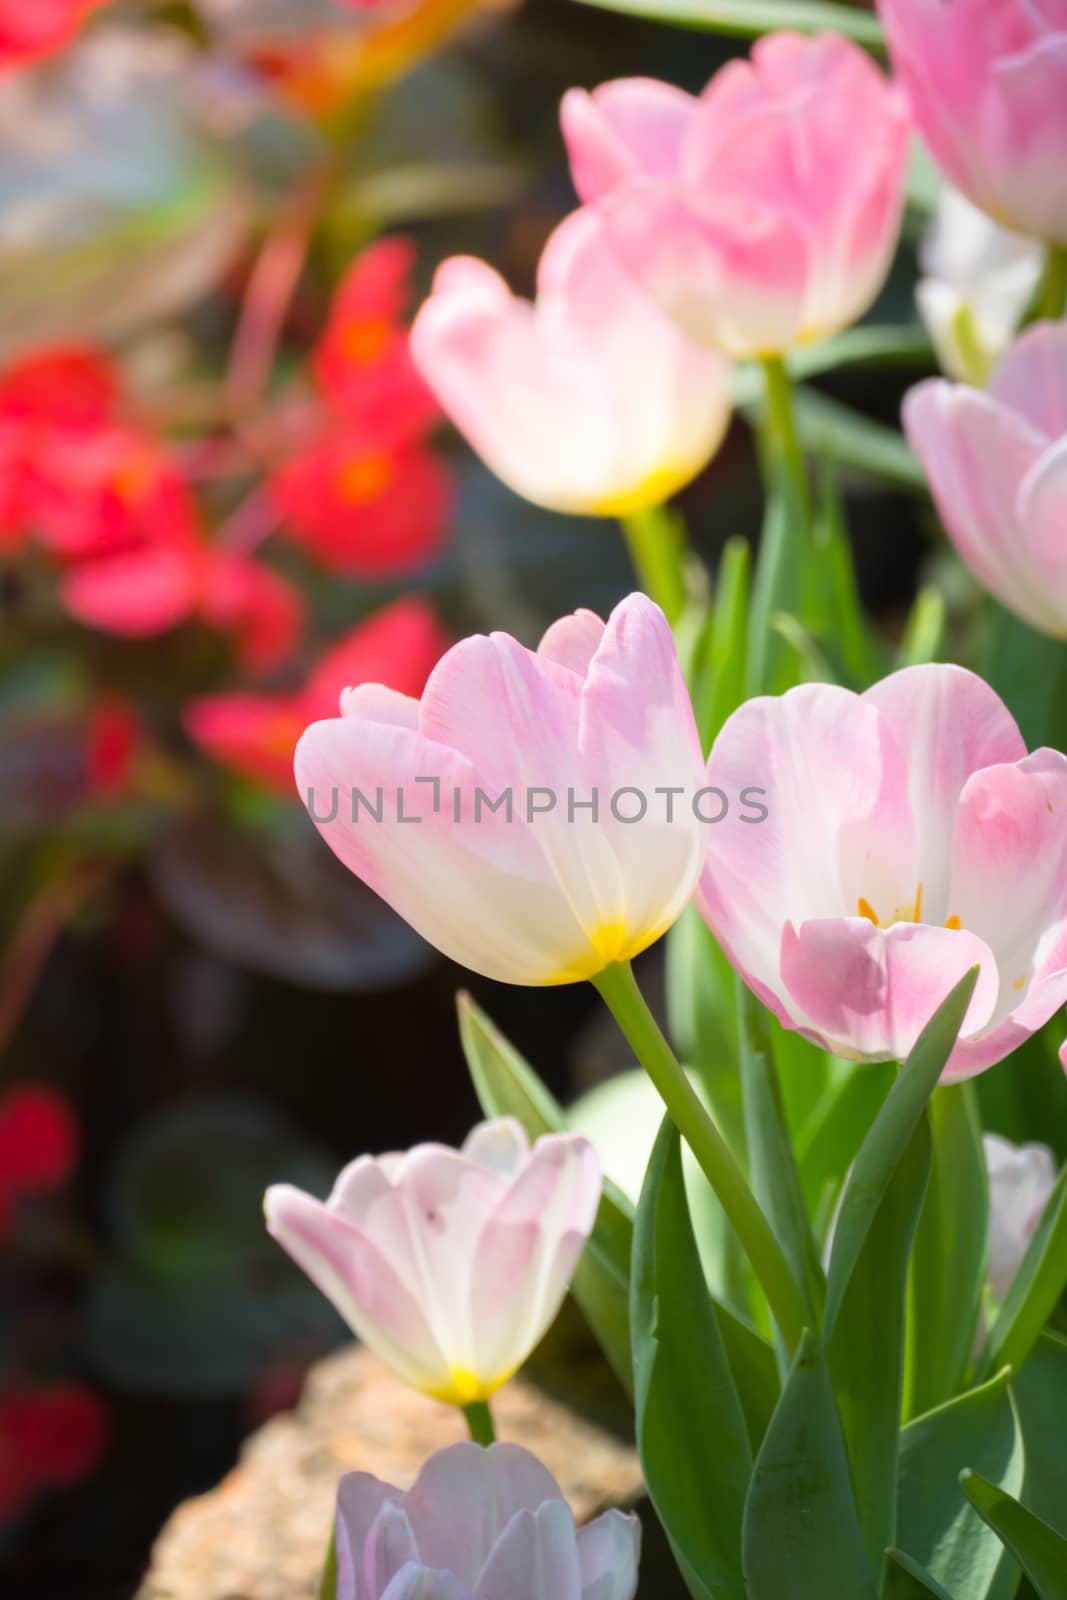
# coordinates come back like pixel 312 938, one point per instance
pixel 502 1146
pixel 870 992
pixel 949 724
pixel 477 890
pixel 732 273
pixel 1043 526
pixel 464 1498
pixel 388 1548
pixel 1010 818
pixel 360 1497
pixel 976 454
pixel 609 1549
pixel 622 129
pixel 360 1282
pixel 535 1558
pixel 572 641
pixel 1032 379
pixel 423 1583
pixel 527 1250
pixel 838 825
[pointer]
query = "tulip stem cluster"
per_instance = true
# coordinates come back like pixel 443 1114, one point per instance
pixel 781 426
pixel 656 543
pixel 480 1422
pixel 619 990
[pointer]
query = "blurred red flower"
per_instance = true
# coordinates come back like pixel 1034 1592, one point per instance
pixel 30 29
pixel 51 1436
pixel 108 502
pixel 256 734
pixel 39 1144
pixel 363 492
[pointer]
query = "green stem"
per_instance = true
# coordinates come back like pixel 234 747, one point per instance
pixel 1052 296
pixel 656 543
pixel 480 1422
pixel 618 989
pixel 782 429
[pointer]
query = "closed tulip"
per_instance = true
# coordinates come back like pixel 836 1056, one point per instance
pixel 589 401
pixel 986 84
pixel 449 1264
pixel 763 214
pixel 478 1525
pixel 1021 1178
pixel 536 815
pixel 909 837
pixel 996 463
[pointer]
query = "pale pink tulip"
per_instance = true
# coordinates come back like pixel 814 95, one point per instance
pixel 763 214
pixel 478 1525
pixel 996 462
pixel 987 81
pixel 1021 1178
pixel 449 1264
pixel 586 858
pixel 589 401
pixel 909 837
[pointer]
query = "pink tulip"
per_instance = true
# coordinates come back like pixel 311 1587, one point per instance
pixel 589 401
pixel 996 463
pixel 449 1264
pixel 478 1525
pixel 909 836
pixel 986 84
pixel 763 214
pixel 1021 1178
pixel 518 815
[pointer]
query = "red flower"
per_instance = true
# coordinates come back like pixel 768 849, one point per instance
pixel 30 29
pixel 262 610
pixel 362 363
pixel 364 494
pixel 50 1437
pixel 366 511
pixel 38 1139
pixel 256 734
pixel 108 502
pixel 114 738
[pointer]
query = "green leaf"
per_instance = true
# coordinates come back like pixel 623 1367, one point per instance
pixel 936 1525
pixel 904 1579
pixel 801 1538
pixel 507 1086
pixel 950 1252
pixel 1029 672
pixel 827 1146
pixel 1037 1286
pixel 328 1581
pixel 772 1162
pixel 867 1369
pixel 776 587
pixel 853 638
pixel 889 1137
pixel 702 1018
pixel 1039 1549
pixel 924 632
pixel 836 433
pixel 754 1368
pixel 691 1430
pixel 1040 1392
pixel 752 17
pixel 723 687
